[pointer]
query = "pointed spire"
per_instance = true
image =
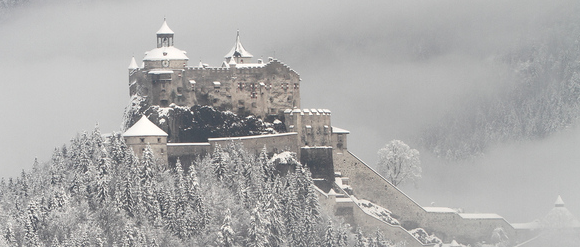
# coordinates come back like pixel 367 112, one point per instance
pixel 232 62
pixel 133 64
pixel 559 202
pixel 238 50
pixel 200 64
pixel 165 28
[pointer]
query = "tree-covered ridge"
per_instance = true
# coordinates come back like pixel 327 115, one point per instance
pixel 95 192
pixel 543 97
pixel 198 123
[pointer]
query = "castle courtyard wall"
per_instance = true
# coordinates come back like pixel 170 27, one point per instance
pixel 274 143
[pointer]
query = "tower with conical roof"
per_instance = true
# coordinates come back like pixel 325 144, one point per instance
pixel 164 35
pixel 238 52
pixel 560 217
pixel 144 133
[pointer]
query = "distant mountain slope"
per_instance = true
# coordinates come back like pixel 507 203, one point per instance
pixel 544 96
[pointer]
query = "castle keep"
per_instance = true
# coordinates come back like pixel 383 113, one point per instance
pixel 261 88
pixel 271 88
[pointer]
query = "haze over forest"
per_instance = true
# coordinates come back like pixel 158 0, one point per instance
pixel 487 91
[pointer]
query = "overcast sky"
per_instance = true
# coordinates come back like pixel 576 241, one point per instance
pixel 386 69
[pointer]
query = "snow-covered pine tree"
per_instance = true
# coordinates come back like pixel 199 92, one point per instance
pixel 219 163
pixel 257 231
pixel 341 238
pixel 227 235
pixel 329 236
pixel 360 241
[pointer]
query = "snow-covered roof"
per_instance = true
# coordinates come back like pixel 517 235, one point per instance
pixel 336 130
pixel 160 72
pixel 454 244
pixel 189 144
pixel 133 64
pixel 560 217
pixel 559 202
pixel 251 65
pixel 527 226
pixel 144 127
pixel 165 53
pixel 232 62
pixel 343 199
pixel 238 50
pixel 480 216
pixel 439 210
pixel 165 29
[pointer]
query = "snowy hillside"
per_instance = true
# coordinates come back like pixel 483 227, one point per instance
pixel 542 95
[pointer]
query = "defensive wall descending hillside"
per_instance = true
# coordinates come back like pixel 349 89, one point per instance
pixel 352 213
pixel 445 223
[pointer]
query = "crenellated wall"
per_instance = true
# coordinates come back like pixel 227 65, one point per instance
pixel 312 125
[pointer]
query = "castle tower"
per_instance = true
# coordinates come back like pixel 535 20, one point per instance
pixel 165 56
pixel 164 36
pixel 560 217
pixel 144 133
pixel 238 52
pixel 133 64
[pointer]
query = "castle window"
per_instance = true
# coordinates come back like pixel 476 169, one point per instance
pixel 142 140
pixel 296 86
pixel 308 129
pixel 162 151
pixel 158 139
pixel 192 84
pixel 217 84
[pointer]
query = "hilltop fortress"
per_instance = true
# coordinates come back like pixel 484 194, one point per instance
pixel 270 89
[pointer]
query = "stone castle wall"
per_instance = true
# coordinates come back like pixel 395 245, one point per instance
pixel 189 152
pixel 312 125
pixel 368 184
pixel 356 217
pixel 319 161
pixel 259 89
